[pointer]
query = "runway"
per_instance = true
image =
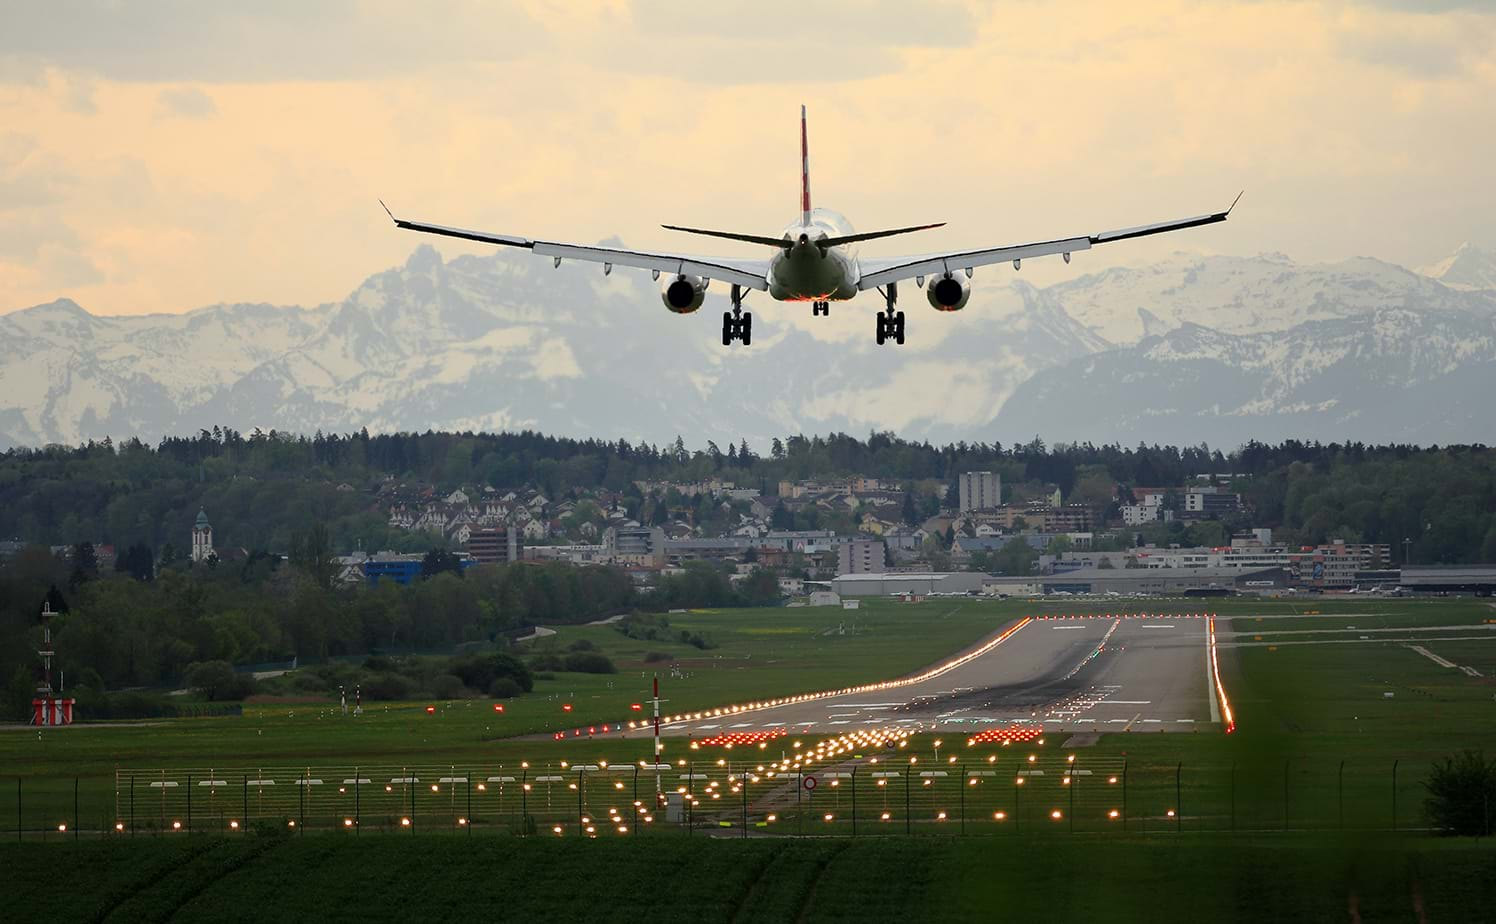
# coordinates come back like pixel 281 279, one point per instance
pixel 1141 674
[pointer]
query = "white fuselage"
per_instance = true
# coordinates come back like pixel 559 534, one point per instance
pixel 807 272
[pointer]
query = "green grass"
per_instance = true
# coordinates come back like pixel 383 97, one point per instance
pixel 1154 879
pixel 1301 711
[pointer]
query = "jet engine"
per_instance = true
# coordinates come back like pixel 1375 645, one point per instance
pixel 948 292
pixel 683 294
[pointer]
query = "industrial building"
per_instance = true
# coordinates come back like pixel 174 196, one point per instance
pixel 1450 579
pixel 917 583
pixel 500 546
pixel 1167 582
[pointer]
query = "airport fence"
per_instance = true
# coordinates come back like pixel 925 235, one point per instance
pixel 1011 792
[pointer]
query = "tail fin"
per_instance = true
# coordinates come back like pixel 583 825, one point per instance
pixel 804 172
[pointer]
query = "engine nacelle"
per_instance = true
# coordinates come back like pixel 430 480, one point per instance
pixel 683 294
pixel 948 292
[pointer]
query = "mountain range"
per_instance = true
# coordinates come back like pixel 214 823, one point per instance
pixel 1219 349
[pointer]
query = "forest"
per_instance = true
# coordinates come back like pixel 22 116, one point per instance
pixel 120 630
pixel 262 488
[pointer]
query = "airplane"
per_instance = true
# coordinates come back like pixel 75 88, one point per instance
pixel 815 260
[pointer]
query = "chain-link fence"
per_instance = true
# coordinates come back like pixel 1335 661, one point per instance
pixel 1010 792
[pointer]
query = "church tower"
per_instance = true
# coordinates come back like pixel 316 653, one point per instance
pixel 202 537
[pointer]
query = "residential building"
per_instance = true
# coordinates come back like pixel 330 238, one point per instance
pixel 499 546
pixel 979 491
pixel 635 545
pixel 1210 502
pixel 860 556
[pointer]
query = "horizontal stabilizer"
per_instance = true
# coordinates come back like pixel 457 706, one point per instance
pixel 786 242
pixel 734 236
pixel 873 235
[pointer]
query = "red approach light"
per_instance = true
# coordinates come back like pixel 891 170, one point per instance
pixel 430 710
pixel 498 707
pixel 636 706
pixel 566 707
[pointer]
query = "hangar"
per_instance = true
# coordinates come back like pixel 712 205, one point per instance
pixel 917 583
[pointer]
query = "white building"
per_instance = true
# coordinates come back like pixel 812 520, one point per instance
pixel 980 490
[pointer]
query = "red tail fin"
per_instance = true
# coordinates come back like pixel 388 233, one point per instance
pixel 804 172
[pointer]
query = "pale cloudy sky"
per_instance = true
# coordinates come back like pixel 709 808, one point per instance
pixel 159 155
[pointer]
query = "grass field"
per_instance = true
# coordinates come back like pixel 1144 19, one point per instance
pixel 1302 710
pixel 1155 879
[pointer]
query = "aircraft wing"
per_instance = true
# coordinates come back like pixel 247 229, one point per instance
pixel 752 274
pixel 880 272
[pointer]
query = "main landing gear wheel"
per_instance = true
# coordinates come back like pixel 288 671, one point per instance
pixel 890 327
pixel 737 324
pixel 890 320
pixel 820 308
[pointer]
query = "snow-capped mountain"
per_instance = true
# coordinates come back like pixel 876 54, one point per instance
pixel 1470 268
pixel 1219 348
pixel 1390 374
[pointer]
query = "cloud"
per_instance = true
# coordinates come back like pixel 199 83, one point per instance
pixel 185 102
pixel 177 40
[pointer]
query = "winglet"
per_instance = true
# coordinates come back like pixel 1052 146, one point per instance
pixel 1234 201
pixel 388 212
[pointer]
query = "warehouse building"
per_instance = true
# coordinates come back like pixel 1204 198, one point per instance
pixel 914 583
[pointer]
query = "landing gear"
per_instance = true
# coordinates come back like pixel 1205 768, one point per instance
pixel 737 324
pixel 820 308
pixel 890 326
pixel 890 320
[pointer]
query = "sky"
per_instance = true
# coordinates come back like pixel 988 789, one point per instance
pixel 161 155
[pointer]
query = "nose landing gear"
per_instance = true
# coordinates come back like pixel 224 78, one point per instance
pixel 890 320
pixel 737 324
pixel 820 308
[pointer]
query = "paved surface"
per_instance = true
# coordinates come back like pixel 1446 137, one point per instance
pixel 1088 674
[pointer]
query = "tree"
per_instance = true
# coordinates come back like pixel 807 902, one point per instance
pixel 216 680
pixel 85 563
pixel 1461 794
pixel 776 450
pixel 909 515
pixel 311 553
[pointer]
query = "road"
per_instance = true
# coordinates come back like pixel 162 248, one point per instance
pixel 1079 674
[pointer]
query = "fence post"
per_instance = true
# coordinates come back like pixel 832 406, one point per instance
pixel 799 815
pixel 1018 801
pixel 854 800
pixel 691 798
pixel 524 800
pixel 1178 798
pixel 132 803
pixel 246 802
pixel 19 826
pixel 1233 796
pixel 412 801
pixel 1074 782
pixel 75 808
pixel 964 784
pixel 358 818
pixel 1124 795
pixel 639 821
pixel 581 781
pixel 743 782
pixel 1285 792
pixel 907 772
pixel 301 802
pixel 1394 796
pixel 470 802
pixel 1340 794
